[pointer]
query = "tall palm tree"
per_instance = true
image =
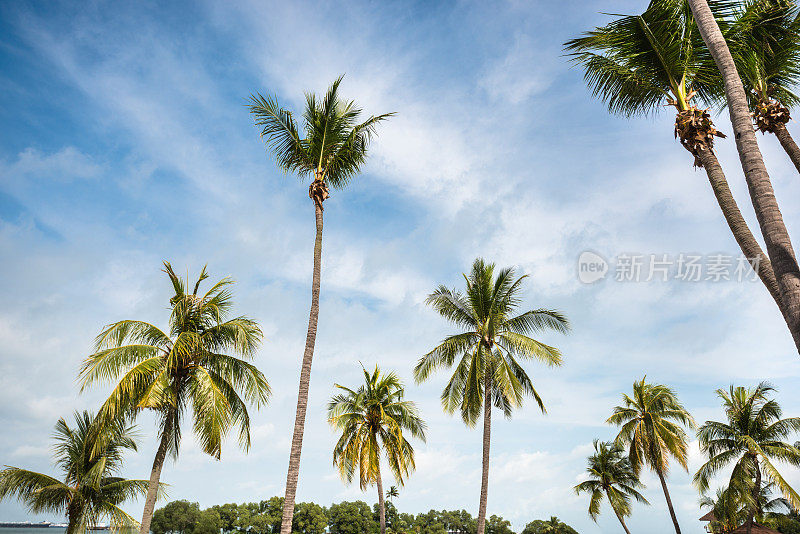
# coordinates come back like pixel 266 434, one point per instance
pixel 762 195
pixel 487 353
pixel 332 152
pixel 611 476
pixel 651 422
pixel 187 368
pixel 752 438
pixel 392 493
pixel 640 64
pixel 764 38
pixel 89 457
pixel 372 420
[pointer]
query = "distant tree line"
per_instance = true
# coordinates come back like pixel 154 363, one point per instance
pixel 347 517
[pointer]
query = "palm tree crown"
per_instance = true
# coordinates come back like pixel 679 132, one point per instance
pixel 493 343
pixel 611 476
pixel 186 368
pixel 764 37
pixel 652 422
pixel 753 437
pixel 89 457
pixel 333 145
pixel 372 419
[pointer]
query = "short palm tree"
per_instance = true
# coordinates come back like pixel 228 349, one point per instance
pixel 731 507
pixel 392 493
pixel 651 422
pixel 762 195
pixel 764 38
pixel 89 456
pixel 611 476
pixel 488 352
pixel 185 369
pixel 638 64
pixel 752 438
pixel 332 151
pixel 372 420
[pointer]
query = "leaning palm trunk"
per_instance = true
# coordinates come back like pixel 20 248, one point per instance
pixel 381 504
pixel 741 232
pixel 155 477
pixel 619 515
pixel 305 378
pixel 788 144
pixel 487 438
pixel 669 501
pixel 773 229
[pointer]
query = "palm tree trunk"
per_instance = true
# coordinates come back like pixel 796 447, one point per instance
pixel 756 492
pixel 381 504
pixel 305 379
pixel 155 475
pixel 73 517
pixel 788 144
pixel 741 232
pixel 487 435
pixel 776 237
pixel 619 515
pixel 669 502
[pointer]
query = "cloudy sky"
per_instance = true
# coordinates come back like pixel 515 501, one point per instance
pixel 125 142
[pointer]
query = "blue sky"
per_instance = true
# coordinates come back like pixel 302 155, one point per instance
pixel 125 142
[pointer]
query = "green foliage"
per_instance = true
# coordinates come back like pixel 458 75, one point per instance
pixel 187 368
pixel 177 517
pixel 372 420
pixel 497 525
pixel 351 518
pixel 493 342
pixel 441 522
pixel 764 40
pixel 333 144
pixel 651 423
pixel 753 437
pixel 551 526
pixel 611 476
pixel 309 518
pixel 783 523
pixel 89 456
pixel 637 63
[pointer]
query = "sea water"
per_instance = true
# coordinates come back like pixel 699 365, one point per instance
pixel 47 530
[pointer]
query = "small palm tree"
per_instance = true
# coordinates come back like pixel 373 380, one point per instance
pixel 89 457
pixel 488 352
pixel 639 64
pixel 731 507
pixel 332 152
pixel 372 420
pixel 752 438
pixel 764 38
pixel 611 476
pixel 187 368
pixel 652 422
pixel 392 493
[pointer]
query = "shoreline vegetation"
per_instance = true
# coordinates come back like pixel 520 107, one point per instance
pixel 198 374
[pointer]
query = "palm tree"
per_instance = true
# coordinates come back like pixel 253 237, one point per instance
pixel 651 424
pixel 392 493
pixel 89 457
pixel 332 152
pixel 186 369
pixel 611 476
pixel 764 39
pixel 487 353
pixel 732 505
pixel 638 65
pixel 372 420
pixel 752 438
pixel 762 196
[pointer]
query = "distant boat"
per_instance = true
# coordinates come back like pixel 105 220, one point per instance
pixel 25 524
